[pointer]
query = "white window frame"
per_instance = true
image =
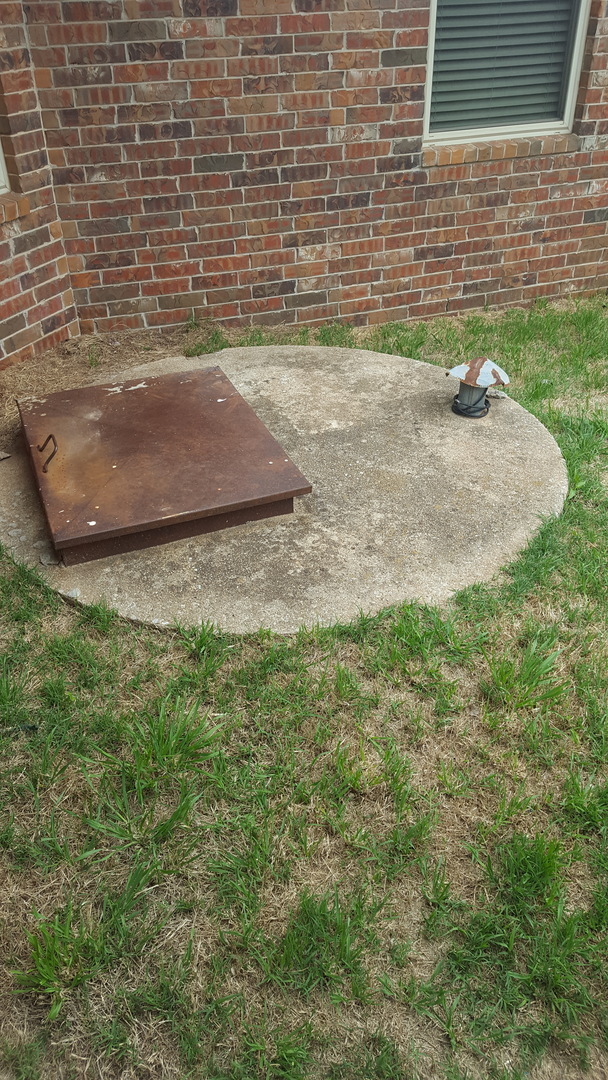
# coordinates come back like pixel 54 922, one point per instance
pixel 508 131
pixel 4 184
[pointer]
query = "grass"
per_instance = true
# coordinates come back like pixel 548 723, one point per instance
pixel 374 851
pixel 323 947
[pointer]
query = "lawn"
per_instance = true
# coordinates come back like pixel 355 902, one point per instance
pixel 366 852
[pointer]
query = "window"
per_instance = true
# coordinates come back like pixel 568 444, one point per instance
pixel 3 175
pixel 503 67
pixel 4 184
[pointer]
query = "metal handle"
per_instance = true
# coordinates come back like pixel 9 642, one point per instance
pixel 52 454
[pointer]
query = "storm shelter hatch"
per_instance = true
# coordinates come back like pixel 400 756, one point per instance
pixel 129 465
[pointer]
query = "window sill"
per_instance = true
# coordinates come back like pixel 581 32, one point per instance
pixel 459 153
pixel 13 207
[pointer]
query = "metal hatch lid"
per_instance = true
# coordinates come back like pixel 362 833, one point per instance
pixel 150 453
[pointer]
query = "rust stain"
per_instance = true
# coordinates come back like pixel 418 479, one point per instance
pixel 481 372
pixel 144 456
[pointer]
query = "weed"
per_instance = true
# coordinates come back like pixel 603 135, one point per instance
pixel 525 870
pixel 239 872
pixel 267 1054
pixel 99 617
pixel 442 904
pixel 207 646
pixel 46 849
pixel 125 819
pixel 453 781
pixel 426 633
pixel 323 945
pixel 93 354
pixel 396 851
pixel 509 806
pixel 541 738
pixel 55 696
pixel 24 1058
pixel 359 630
pixel 585 804
pixel 172 742
pixel 215 341
pixel 377 1059
pixel 13 707
pixel 398 775
pixel 524 683
pixel 80 656
pixel 445 693
pixel 346 684
pixel 64 953
pixel 111 1040
pixel 338 335
pixel 67 951
pixel 341 779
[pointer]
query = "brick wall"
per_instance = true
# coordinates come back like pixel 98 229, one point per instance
pixel 262 161
pixel 36 301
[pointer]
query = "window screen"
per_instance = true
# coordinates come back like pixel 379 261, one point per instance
pixel 501 62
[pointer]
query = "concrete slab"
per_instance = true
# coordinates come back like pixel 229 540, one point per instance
pixel 409 501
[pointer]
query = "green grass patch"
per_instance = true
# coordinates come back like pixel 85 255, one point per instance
pixel 323 946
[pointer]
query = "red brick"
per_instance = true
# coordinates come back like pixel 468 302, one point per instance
pixel 266 25
pixel 170 318
pixel 141 73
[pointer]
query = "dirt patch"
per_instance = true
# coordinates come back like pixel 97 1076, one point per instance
pixel 84 360
pixel 78 362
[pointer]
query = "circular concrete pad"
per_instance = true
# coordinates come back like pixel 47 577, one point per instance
pixel 409 500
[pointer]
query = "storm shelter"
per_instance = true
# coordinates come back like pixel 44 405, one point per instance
pixel 133 464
